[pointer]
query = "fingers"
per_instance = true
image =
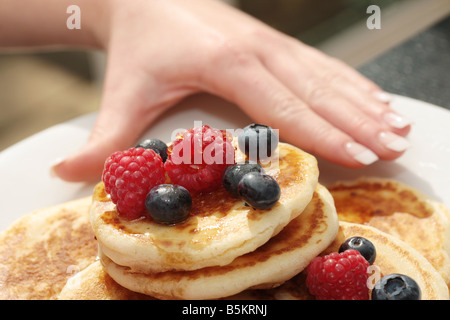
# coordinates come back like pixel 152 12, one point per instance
pixel 268 101
pixel 349 83
pixel 112 131
pixel 322 115
pixel 357 122
pixel 345 99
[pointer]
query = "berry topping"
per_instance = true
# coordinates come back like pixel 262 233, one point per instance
pixel 364 246
pixel 234 174
pixel 258 141
pixel 168 204
pixel 338 276
pixel 198 157
pixel 156 145
pixel 129 175
pixel 259 190
pixel 396 287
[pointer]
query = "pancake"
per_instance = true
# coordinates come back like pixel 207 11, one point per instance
pixel 399 210
pixel 393 256
pixel 278 260
pixel 220 228
pixel 41 250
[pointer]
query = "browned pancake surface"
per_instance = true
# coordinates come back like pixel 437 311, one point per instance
pixel 398 210
pixel 39 252
pixel 364 200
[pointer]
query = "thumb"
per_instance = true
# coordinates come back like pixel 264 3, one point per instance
pixel 122 119
pixel 111 132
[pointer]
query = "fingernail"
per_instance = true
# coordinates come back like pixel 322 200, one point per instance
pixel 396 121
pixel 361 153
pixel 383 96
pixel 393 142
pixel 53 166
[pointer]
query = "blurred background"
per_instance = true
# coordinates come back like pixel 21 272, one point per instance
pixel 38 90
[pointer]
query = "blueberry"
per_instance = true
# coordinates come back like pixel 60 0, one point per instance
pixel 364 246
pixel 396 287
pixel 259 190
pixel 233 175
pixel 156 145
pixel 258 141
pixel 168 204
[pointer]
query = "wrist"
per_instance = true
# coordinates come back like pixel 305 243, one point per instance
pixel 79 23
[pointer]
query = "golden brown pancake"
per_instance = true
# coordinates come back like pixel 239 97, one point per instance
pixel 401 211
pixel 221 227
pixel 393 256
pixel 278 260
pixel 41 250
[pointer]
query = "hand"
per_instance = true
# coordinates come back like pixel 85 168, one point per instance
pixel 159 52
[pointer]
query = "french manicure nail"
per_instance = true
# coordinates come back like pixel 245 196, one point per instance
pixel 54 164
pixel 383 96
pixel 396 120
pixel 361 153
pixel 393 142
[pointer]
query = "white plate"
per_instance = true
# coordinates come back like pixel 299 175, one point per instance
pixel 26 183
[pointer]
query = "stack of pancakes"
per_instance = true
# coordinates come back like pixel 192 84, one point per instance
pixel 225 250
pixel 225 246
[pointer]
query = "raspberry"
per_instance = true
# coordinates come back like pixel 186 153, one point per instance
pixel 198 157
pixel 338 276
pixel 128 177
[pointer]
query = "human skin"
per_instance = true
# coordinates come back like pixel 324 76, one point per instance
pixel 161 51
